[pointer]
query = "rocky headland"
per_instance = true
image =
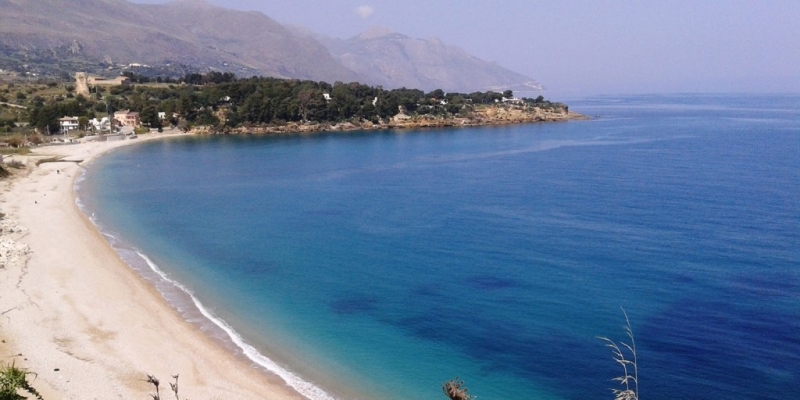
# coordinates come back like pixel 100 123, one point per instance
pixel 481 116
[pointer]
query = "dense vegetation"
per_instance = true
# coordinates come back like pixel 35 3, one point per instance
pixel 223 101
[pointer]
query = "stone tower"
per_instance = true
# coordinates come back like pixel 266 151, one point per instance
pixel 81 84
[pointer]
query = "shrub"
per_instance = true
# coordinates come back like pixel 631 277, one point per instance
pixel 13 380
pixel 16 164
pixel 455 390
pixel 15 140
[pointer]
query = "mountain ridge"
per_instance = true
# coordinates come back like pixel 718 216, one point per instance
pixel 207 37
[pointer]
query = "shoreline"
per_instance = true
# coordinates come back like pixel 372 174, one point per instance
pixel 109 353
pixel 491 116
pixel 81 318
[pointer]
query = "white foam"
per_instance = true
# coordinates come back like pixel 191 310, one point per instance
pixel 305 388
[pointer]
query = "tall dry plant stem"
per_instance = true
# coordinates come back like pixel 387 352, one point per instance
pixel 151 379
pixel 155 382
pixel 630 368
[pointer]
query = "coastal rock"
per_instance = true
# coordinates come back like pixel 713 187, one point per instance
pixel 8 226
pixel 481 116
pixel 11 251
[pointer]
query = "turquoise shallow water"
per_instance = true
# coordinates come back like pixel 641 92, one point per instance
pixel 378 265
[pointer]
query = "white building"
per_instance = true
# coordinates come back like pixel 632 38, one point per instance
pixel 512 100
pixel 101 125
pixel 68 123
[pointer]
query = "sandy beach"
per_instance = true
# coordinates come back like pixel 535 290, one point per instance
pixel 75 314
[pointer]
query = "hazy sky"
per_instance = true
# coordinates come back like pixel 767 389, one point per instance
pixel 587 47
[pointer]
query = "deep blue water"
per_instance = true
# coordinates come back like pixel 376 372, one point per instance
pixel 379 265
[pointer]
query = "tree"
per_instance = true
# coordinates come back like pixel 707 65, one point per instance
pixel 149 117
pixel 305 98
pixel 368 112
pixel 436 94
pixel 193 79
pixel 205 117
pixel 83 123
pixel 453 108
pixel 45 119
pixel 509 94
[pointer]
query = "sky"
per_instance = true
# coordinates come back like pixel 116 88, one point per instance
pixel 586 47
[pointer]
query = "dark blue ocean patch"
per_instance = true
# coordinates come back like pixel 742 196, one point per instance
pixel 567 364
pixel 731 349
pixel 487 282
pixel 428 290
pixel 778 284
pixel 571 366
pixel 427 328
pixel 354 305
pixel 683 278
pixel 324 213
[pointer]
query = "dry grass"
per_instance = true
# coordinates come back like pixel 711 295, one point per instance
pixel 630 370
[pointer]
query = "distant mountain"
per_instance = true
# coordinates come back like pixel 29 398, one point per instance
pixel 395 60
pixel 72 34
pixel 188 32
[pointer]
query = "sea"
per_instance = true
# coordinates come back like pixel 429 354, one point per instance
pixel 381 264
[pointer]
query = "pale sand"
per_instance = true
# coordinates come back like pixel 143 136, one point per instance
pixel 75 306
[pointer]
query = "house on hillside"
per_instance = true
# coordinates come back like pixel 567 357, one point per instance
pixel 103 125
pixel 127 118
pixel 68 123
pixel 512 100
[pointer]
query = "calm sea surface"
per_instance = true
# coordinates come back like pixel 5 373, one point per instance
pixel 378 265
